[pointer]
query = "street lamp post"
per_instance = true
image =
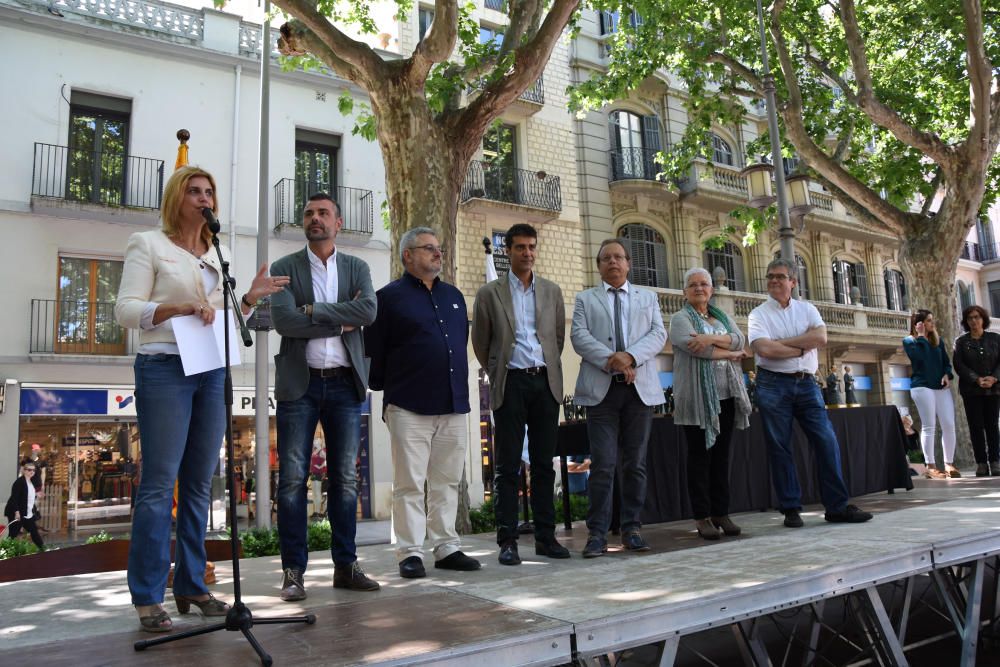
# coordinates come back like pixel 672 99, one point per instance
pixel 786 234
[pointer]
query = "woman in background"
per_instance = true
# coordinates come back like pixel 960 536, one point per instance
pixel 977 362
pixel 930 382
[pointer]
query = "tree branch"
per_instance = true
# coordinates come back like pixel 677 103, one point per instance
pixel 925 209
pixel 296 40
pixel 525 17
pixel 529 61
pixel 740 70
pixel 825 69
pixel 928 144
pixel 980 80
pixel 852 187
pixel 357 54
pixel 439 42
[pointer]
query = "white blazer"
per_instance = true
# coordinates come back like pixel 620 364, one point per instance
pixel 158 270
pixel 592 336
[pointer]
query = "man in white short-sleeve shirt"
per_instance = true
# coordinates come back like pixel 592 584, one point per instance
pixel 786 335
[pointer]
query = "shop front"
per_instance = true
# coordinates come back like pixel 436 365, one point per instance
pixel 86 444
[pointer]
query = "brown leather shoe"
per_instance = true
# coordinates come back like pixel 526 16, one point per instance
pixel 727 526
pixel 706 529
pixel 353 578
pixel 933 473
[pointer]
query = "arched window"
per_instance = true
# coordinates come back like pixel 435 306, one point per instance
pixel 847 276
pixel 801 274
pixel 722 152
pixel 730 259
pixel 649 255
pixel 895 290
pixel 965 296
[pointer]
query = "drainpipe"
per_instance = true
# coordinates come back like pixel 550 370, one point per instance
pixel 232 166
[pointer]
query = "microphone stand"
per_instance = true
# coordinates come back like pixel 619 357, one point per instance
pixel 238 618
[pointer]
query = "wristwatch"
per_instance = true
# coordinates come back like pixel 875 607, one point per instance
pixel 306 309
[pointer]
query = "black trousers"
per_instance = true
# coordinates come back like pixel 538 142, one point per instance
pixel 983 413
pixel 708 469
pixel 28 525
pixel 527 401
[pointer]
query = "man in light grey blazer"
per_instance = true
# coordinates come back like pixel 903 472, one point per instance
pixel 618 331
pixel 518 330
pixel 320 377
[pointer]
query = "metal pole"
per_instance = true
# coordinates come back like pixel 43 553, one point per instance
pixel 262 419
pixel 785 232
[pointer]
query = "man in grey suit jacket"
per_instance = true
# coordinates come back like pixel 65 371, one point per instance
pixel 321 377
pixel 518 330
pixel 618 331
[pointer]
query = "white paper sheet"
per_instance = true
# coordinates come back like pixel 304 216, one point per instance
pixel 202 347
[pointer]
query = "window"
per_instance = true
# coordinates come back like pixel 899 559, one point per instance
pixel 730 259
pixel 85 305
pixel 649 255
pixel 499 163
pixel 802 274
pixel 424 19
pixel 722 152
pixel 987 242
pixel 790 164
pixel 847 276
pixel 966 296
pixel 315 167
pixel 489 34
pixel 994 288
pixel 895 290
pixel 610 21
pixel 97 163
pixel 635 140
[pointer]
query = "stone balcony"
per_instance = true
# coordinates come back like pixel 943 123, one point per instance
pixel 845 324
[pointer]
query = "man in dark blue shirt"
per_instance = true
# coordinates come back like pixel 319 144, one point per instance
pixel 417 347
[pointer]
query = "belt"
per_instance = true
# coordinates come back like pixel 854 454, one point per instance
pixel 797 375
pixel 336 372
pixel 534 370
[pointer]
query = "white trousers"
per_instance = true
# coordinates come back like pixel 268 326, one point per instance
pixel 935 405
pixel 427 448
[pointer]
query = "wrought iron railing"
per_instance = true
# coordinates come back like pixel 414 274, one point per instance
pixel 513 186
pixel 111 179
pixel 634 163
pixel 971 251
pixel 357 207
pixel 78 327
pixel 497 5
pixel 989 253
pixel 534 93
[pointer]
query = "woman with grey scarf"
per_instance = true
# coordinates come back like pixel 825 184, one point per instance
pixel 710 398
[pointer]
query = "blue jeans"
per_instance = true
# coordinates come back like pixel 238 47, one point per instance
pixel 618 430
pixel 332 402
pixel 780 399
pixel 182 420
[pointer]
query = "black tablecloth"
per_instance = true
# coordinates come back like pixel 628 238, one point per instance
pixel 872 450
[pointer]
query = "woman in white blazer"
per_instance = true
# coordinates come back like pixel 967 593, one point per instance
pixel 170 272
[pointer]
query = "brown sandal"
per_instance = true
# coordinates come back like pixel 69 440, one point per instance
pixel 158 621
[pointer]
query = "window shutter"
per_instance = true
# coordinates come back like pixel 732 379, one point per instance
pixel 861 280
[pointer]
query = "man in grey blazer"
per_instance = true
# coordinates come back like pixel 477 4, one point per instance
pixel 618 331
pixel 320 377
pixel 518 330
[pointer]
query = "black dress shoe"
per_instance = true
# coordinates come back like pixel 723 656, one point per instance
pixel 458 561
pixel 412 567
pixel 632 541
pixel 850 514
pixel 550 548
pixel 352 577
pixel 596 547
pixel 508 554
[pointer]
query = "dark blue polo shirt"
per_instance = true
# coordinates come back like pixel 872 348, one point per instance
pixel 417 347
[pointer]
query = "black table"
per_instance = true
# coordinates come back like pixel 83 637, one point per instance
pixel 872 451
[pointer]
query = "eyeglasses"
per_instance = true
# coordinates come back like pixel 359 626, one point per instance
pixel 429 248
pixel 29 470
pixel 778 276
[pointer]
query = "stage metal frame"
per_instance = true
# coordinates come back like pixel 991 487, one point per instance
pixel 956 568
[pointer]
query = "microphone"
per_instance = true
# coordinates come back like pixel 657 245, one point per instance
pixel 213 223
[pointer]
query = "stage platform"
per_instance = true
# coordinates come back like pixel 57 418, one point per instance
pixel 544 612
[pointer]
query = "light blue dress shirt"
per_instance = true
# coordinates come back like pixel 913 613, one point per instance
pixel 527 351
